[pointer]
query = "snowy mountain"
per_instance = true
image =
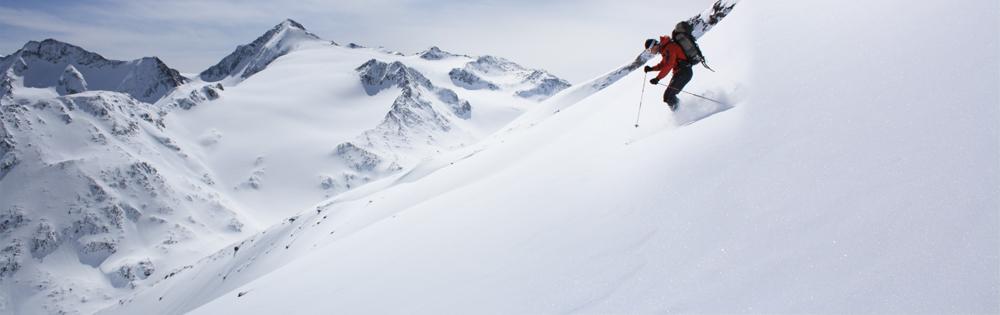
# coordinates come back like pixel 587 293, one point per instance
pixel 795 198
pixel 489 72
pixel 71 82
pixel 191 95
pixel 251 58
pixel 435 53
pixel 323 119
pixel 96 196
pixel 386 50
pixel 42 64
pixel 423 117
pixel 103 194
pixel 96 193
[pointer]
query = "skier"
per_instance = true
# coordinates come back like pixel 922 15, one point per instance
pixel 673 58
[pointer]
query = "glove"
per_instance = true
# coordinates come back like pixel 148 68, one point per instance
pixel 654 81
pixel 647 69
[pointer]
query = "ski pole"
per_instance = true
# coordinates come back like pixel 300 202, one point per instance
pixel 676 89
pixel 641 94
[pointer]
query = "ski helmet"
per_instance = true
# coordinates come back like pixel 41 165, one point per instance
pixel 650 43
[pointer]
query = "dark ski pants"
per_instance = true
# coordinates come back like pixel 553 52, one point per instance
pixel 682 75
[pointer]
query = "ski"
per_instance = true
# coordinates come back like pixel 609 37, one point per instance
pixel 701 23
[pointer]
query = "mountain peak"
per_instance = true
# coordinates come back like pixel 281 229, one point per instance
pixel 287 28
pixel 51 63
pixel 435 53
pixel 251 58
pixel 289 23
pixel 55 51
pixel 48 41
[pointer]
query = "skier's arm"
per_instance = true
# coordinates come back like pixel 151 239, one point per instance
pixel 666 65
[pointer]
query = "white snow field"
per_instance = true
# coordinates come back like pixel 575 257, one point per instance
pixel 856 172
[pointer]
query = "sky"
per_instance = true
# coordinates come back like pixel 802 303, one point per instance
pixel 575 40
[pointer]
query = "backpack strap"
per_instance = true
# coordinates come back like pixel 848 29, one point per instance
pixel 706 65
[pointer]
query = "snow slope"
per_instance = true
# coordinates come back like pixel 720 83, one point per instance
pixel 96 195
pixel 96 198
pixel 104 192
pixel 825 190
pixel 276 139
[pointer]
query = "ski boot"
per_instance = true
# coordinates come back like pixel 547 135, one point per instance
pixel 672 102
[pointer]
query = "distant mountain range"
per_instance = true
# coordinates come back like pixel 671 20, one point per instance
pixel 104 189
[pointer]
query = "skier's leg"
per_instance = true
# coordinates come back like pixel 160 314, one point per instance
pixel 669 95
pixel 682 75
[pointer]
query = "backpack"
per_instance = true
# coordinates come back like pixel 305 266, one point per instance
pixel 682 36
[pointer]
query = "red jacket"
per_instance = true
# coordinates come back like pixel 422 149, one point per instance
pixel 671 53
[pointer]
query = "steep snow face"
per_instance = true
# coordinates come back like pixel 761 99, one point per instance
pixel 489 72
pixel 43 63
pixel 95 197
pixel 249 59
pixel 802 198
pixel 71 82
